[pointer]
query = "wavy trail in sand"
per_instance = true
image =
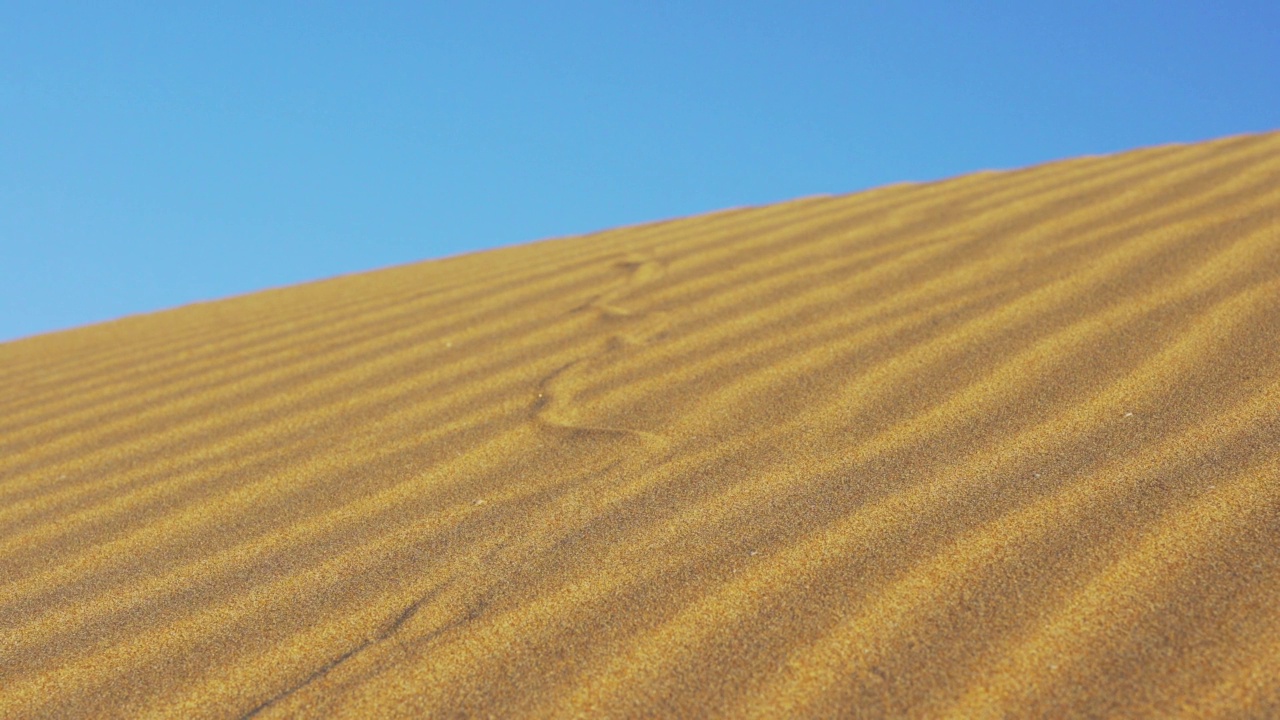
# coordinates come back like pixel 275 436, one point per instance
pixel 1002 445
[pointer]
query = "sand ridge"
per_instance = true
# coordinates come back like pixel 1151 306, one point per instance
pixel 1001 445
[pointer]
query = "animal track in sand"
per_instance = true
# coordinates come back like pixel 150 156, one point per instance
pixel 555 405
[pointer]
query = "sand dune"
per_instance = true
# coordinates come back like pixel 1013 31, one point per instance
pixel 1002 445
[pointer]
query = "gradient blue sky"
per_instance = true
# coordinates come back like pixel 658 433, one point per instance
pixel 154 154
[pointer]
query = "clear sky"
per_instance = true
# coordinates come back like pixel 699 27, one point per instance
pixel 157 153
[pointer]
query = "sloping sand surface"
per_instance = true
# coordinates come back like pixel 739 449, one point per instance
pixel 1003 445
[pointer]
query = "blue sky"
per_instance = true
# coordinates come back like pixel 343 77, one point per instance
pixel 155 154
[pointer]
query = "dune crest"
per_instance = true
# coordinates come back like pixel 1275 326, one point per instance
pixel 1002 445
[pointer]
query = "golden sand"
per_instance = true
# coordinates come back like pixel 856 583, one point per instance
pixel 1002 445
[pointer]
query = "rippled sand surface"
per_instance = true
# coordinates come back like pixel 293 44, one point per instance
pixel 1003 445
